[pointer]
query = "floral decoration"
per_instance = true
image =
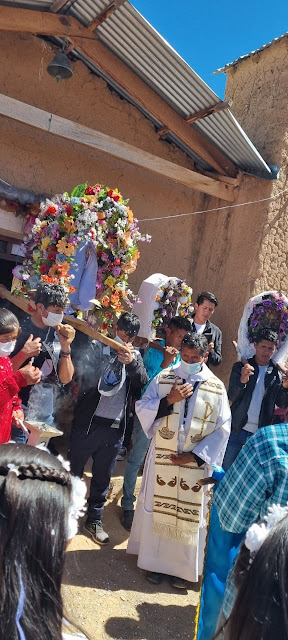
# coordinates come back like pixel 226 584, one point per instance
pixel 271 312
pixel 175 298
pixel 91 213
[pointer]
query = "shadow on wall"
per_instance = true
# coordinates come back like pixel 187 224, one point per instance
pixel 156 622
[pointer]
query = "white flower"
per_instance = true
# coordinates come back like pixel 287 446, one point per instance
pixel 275 514
pixel 77 505
pixel 255 537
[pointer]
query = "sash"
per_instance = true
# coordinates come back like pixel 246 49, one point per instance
pixel 178 494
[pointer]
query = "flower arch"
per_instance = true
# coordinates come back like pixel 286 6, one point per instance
pixel 92 229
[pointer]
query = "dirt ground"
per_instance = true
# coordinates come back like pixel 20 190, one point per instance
pixel 108 596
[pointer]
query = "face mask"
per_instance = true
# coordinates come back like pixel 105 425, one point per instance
pixel 53 319
pixel 6 348
pixel 189 369
pixel 117 339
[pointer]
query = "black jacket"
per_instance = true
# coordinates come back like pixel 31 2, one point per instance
pixel 215 356
pixel 240 395
pixel 91 365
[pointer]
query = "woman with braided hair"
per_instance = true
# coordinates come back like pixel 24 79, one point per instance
pixel 35 487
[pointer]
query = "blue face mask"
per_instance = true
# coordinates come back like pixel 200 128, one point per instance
pixel 190 369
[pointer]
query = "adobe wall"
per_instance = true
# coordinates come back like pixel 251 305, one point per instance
pixel 244 250
pixel 43 163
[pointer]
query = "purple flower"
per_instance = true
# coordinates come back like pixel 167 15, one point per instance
pixel 254 323
pixel 267 303
pixel 20 273
pixel 116 271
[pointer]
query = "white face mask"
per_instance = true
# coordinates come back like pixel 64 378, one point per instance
pixel 119 340
pixel 6 348
pixel 190 369
pixel 53 319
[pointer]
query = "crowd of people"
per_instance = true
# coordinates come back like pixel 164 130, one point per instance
pixel 170 409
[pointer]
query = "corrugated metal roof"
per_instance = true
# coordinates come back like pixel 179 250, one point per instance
pixel 133 40
pixel 249 55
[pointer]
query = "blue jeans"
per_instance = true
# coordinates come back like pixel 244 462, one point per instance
pixel 134 461
pixel 235 444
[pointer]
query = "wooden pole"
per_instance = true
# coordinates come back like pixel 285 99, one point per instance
pixel 23 303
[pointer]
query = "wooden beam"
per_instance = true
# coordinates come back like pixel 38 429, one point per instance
pixel 69 130
pixel 42 23
pixel 199 115
pixel 28 21
pixel 104 15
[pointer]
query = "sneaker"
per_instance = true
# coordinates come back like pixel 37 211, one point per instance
pixel 122 454
pixel 178 583
pixel 126 518
pixel 154 577
pixel 97 532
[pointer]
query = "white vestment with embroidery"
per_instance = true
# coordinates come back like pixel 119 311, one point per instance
pixel 160 553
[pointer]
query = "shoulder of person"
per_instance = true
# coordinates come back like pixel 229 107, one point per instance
pixel 210 325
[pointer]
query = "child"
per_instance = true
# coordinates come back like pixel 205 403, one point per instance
pixel 11 383
pixel 40 503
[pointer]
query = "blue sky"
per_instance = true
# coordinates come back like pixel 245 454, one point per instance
pixel 209 34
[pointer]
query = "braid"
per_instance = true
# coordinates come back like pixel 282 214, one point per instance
pixel 39 472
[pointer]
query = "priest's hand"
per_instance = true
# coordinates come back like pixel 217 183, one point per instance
pixel 181 458
pixel 210 347
pixel 170 353
pixel 179 392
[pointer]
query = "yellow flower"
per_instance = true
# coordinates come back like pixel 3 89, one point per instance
pixel 69 224
pixel 110 281
pixel 45 242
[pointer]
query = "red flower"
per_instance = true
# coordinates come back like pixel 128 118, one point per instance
pixel 51 256
pixel 89 191
pixel 43 269
pixel 68 209
pixel 51 211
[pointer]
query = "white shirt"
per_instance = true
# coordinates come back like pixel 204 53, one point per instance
pixel 256 401
pixel 200 327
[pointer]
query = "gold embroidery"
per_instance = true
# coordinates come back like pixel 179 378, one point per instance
pixel 165 431
pixel 207 413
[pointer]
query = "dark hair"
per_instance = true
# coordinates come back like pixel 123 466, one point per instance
pixel 129 323
pixel 8 321
pixel 206 295
pixel 266 334
pixel 195 341
pixel 261 606
pixel 33 533
pixel 51 295
pixel 178 322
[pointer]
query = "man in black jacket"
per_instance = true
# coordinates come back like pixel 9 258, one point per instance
pixel 109 381
pixel 205 306
pixel 254 390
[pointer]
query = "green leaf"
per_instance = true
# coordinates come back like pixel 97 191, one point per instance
pixel 78 191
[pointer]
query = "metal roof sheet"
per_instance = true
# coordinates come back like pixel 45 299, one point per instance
pixel 249 55
pixel 133 40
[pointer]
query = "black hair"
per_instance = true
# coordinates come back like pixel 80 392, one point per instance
pixel 129 323
pixel 195 341
pixel 261 606
pixel 266 334
pixel 51 295
pixel 178 322
pixel 8 321
pixel 33 533
pixel 206 295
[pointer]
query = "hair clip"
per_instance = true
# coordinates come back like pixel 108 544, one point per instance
pixel 13 469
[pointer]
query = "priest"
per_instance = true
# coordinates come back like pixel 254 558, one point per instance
pixel 185 410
